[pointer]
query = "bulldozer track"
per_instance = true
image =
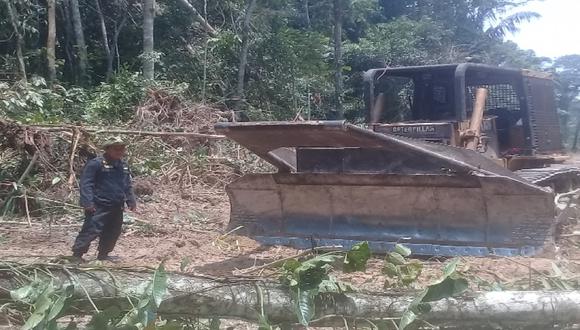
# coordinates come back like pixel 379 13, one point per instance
pixel 561 178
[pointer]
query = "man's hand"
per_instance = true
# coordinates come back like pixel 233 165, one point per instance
pixel 90 209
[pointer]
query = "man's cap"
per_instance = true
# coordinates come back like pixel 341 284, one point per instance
pixel 114 141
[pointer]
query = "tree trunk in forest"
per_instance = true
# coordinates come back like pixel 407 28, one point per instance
pixel 203 297
pixel 148 47
pixel 338 59
pixel 106 48
pixel 51 41
pixel 80 42
pixel 198 18
pixel 115 42
pixel 244 55
pixel 307 14
pixel 13 16
pixel 68 43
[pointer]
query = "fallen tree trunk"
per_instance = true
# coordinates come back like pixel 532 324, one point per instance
pixel 203 297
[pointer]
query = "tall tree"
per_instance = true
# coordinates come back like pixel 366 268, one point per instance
pixel 80 41
pixel 244 54
pixel 117 28
pixel 338 58
pixel 13 16
pixel 108 54
pixel 148 46
pixel 51 41
pixel 67 40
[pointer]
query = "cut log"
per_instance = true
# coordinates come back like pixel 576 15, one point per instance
pixel 204 297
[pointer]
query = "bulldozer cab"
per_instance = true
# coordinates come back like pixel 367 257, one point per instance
pixel 435 103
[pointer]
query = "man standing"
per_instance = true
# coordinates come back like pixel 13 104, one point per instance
pixel 105 188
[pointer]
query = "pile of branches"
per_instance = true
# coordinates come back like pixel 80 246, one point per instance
pixel 23 138
pixel 171 141
pixel 188 163
pixel 166 111
pixel 34 160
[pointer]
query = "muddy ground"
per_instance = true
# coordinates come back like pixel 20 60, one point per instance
pixel 187 231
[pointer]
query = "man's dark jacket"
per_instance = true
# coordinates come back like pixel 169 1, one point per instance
pixel 106 183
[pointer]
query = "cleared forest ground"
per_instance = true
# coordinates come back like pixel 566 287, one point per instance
pixel 187 232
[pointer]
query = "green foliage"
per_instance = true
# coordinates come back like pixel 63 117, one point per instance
pixel 143 315
pixel 289 64
pixel 397 267
pixel 307 279
pixel 356 259
pixel 47 302
pixel 450 284
pixel 307 275
pixel 116 101
pixel 290 60
pixel 36 103
pixel 403 41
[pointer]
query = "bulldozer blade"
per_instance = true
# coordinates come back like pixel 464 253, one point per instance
pixel 339 184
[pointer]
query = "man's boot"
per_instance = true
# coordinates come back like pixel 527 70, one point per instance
pixel 77 258
pixel 106 257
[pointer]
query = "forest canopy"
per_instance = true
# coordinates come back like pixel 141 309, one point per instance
pixel 93 60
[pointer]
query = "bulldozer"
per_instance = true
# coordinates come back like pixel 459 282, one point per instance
pixel 452 160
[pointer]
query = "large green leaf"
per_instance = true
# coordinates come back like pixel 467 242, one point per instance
pixel 291 265
pixel 30 292
pixel 263 323
pixel 34 320
pixel 309 276
pixel 56 308
pixel 450 268
pixel 159 285
pixel 408 317
pixel 130 317
pixel 305 306
pixel 22 293
pixel 144 302
pixel 395 258
pixel 214 324
pixel 402 250
pixel 41 307
pixel 449 287
pixel 322 259
pixel 356 259
pixel 390 270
